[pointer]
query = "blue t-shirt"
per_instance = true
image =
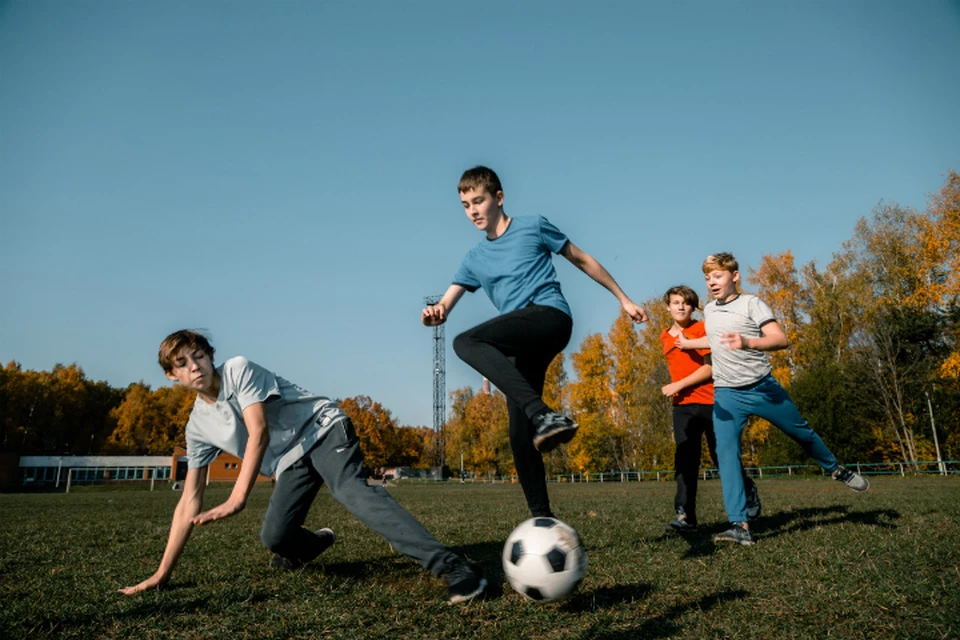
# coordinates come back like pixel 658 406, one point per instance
pixel 516 269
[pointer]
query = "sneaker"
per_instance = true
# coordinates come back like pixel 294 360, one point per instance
pixel 464 582
pixel 682 524
pixel 851 478
pixel 736 533
pixel 753 501
pixel 326 537
pixel 552 430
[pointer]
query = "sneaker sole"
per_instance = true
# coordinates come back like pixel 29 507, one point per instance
pixel 745 543
pixel 547 442
pixel 463 598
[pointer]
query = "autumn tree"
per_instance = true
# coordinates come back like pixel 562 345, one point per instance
pixel 592 401
pixel 60 411
pixel 478 430
pixel 376 429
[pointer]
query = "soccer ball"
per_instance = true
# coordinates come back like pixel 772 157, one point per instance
pixel 544 560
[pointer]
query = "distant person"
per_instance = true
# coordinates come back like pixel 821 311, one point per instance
pixel 514 265
pixel 691 392
pixel 279 429
pixel 740 328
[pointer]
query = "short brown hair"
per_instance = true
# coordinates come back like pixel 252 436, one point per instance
pixel 480 177
pixel 721 261
pixel 176 341
pixel 689 295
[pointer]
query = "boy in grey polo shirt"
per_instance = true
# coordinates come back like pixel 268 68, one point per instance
pixel 280 429
pixel 740 328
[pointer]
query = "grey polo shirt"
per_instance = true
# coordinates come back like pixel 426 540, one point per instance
pixel 296 418
pixel 745 314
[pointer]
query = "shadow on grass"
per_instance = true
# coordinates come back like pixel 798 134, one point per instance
pixel 606 597
pixel 805 519
pixel 140 607
pixel 701 543
pixel 664 625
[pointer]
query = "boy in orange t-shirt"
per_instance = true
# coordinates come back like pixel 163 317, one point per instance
pixel 692 392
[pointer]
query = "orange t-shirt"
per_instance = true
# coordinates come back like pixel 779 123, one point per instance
pixel 682 363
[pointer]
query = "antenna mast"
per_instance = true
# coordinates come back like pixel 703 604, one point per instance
pixel 439 386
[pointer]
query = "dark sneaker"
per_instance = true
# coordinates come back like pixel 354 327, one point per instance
pixel 552 430
pixel 851 478
pixel 326 539
pixel 682 524
pixel 464 582
pixel 736 533
pixel 753 501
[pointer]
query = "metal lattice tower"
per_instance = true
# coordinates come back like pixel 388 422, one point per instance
pixel 439 385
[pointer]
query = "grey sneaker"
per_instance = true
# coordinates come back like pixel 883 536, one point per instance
pixel 326 539
pixel 851 478
pixel 753 501
pixel 682 524
pixel 736 533
pixel 464 582
pixel 552 430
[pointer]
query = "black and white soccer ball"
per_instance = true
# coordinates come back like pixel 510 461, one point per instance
pixel 544 560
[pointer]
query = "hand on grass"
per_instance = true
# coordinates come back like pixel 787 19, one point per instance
pixel 225 510
pixel 153 582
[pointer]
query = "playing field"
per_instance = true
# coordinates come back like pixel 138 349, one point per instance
pixel 828 563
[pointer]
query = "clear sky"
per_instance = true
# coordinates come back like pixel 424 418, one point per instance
pixel 283 174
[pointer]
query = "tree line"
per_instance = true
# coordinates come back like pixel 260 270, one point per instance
pixel 874 364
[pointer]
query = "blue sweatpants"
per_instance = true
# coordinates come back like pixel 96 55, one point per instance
pixel 768 400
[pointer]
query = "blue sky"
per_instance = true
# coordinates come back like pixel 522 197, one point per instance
pixel 283 174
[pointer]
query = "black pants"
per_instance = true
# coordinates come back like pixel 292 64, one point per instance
pixel 690 423
pixel 513 352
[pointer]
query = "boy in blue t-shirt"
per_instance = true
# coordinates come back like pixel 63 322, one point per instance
pixel 514 265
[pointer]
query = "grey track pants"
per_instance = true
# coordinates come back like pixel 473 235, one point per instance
pixel 338 461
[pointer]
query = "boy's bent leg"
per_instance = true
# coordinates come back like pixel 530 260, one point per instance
pixel 534 332
pixel 773 403
pixel 729 417
pixel 282 530
pixel 339 461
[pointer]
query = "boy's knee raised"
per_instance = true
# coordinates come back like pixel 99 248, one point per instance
pixel 461 345
pixel 271 537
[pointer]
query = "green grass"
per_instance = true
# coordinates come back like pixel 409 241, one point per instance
pixel 828 563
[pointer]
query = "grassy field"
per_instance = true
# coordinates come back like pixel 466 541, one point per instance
pixel 828 563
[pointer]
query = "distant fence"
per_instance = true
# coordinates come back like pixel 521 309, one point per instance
pixel 927 467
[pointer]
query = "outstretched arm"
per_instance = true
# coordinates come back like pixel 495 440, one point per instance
pixel 255 417
pixel 437 313
pixel 189 506
pixel 589 265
